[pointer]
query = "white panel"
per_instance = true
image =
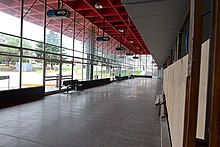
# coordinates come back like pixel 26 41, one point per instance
pixel 158 23
pixel 174 85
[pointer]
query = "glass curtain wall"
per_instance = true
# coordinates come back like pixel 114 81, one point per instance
pixel 36 50
pixel 144 65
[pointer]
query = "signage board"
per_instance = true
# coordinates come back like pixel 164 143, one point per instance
pixel 135 57
pixel 119 48
pixel 129 54
pixel 59 13
pixel 104 38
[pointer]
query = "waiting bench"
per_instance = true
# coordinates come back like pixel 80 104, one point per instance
pixel 72 85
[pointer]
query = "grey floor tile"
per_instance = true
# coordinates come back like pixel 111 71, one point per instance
pixel 119 114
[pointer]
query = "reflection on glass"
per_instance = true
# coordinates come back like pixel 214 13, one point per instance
pixel 61 60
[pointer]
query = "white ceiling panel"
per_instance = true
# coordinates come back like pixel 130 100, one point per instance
pixel 158 22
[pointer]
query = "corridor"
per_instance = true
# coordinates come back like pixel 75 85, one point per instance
pixel 120 114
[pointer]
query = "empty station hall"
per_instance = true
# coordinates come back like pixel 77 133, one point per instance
pixel 109 73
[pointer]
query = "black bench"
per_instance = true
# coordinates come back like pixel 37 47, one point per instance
pixel 120 78
pixel 93 83
pixel 71 85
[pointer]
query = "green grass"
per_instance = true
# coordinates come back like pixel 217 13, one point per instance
pixel 66 69
pixel 137 72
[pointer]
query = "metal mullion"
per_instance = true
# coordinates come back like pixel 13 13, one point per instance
pixel 52 45
pixel 74 31
pixel 32 57
pixel 114 51
pixel 66 56
pixel 106 45
pixel 44 54
pixel 21 43
pixel 67 76
pixel 109 43
pixel 50 79
pixel 4 54
pixel 84 21
pixel 97 53
pixel 32 40
pixel 86 24
pixel 108 53
pixel 61 40
pixel 87 38
pixel 9 34
pixel 110 49
pixel 67 26
pixel 51 76
pixel 116 44
pixel 91 53
pixel 102 58
pixel 98 45
pixel 68 62
pixel 67 48
pixel 48 22
pixel 78 51
pixel 5 45
pixel 30 8
pixel 78 33
pixel 52 60
pixel 51 53
pixel 30 49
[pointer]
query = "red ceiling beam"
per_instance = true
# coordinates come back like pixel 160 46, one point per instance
pixel 145 49
pixel 91 3
pixel 108 12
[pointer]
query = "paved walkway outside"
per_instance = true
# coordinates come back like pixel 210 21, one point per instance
pixel 120 114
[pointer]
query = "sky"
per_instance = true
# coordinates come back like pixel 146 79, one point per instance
pixel 11 25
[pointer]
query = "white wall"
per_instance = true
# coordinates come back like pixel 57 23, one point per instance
pixel 203 90
pixel 175 89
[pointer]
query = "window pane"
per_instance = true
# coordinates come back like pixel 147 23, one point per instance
pixel 9 40
pixel 32 68
pixel 52 76
pixel 77 74
pixel 9 72
pixel 33 20
pixel 66 69
pixel 10 13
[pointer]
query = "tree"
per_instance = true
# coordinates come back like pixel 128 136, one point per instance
pixel 52 46
pixel 53 39
pixel 12 41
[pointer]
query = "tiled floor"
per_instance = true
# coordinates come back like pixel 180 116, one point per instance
pixel 117 115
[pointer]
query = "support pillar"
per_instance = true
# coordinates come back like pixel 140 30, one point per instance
pixel 214 76
pixel 192 91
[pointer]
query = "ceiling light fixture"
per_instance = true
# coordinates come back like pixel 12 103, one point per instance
pixel 98 6
pixel 70 30
pixel 121 30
